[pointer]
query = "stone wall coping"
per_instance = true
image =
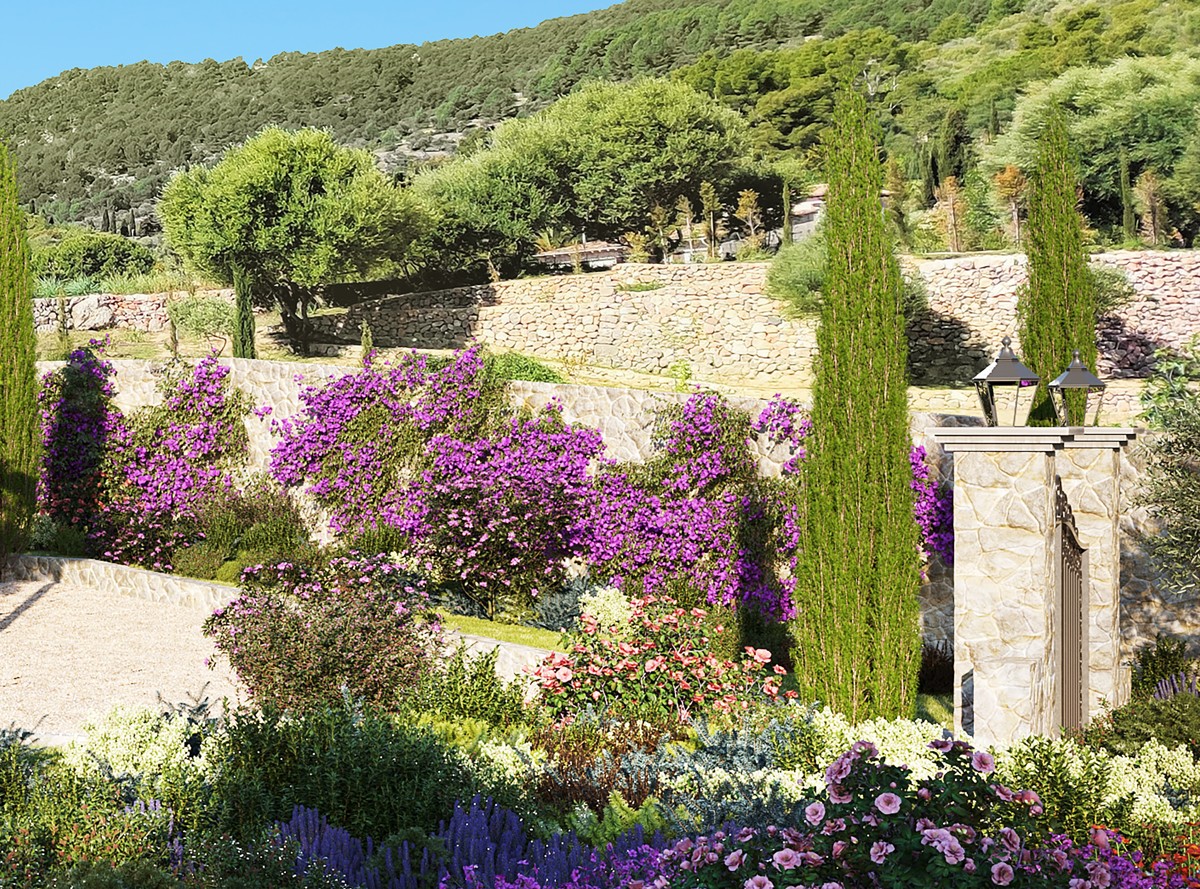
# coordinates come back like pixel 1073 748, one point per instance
pixel 1102 437
pixel 1036 439
pixel 1000 439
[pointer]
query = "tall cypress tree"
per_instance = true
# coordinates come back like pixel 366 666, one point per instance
pixel 243 322
pixel 1056 310
pixel 856 639
pixel 19 418
pixel 1128 219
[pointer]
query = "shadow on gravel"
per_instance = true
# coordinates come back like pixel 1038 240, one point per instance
pixel 29 602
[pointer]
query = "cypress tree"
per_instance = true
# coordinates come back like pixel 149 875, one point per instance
pixel 856 637
pixel 243 322
pixel 993 120
pixel 954 147
pixel 929 175
pixel 1056 310
pixel 19 417
pixel 1128 219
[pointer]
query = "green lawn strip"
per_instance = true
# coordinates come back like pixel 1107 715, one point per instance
pixel 518 635
pixel 936 708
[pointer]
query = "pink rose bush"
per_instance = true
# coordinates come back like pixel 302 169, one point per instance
pixel 874 827
pixel 660 668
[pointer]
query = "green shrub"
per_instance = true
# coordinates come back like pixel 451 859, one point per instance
pixel 159 756
pixel 1111 286
pixel 261 518
pixel 467 688
pixel 798 273
pixel 300 635
pixel 1127 729
pixel 362 771
pixel 81 286
pixel 1167 657
pixel 507 366
pixel 1072 781
pixel 202 560
pixel 69 541
pixel 91 254
pixel 103 875
pixel 202 316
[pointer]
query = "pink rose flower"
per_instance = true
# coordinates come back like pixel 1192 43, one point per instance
pixel 983 762
pixel 758 882
pixel 786 859
pixel 880 851
pixel 735 859
pixel 1002 873
pixel 814 813
pixel 887 803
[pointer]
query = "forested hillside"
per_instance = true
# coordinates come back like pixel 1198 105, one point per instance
pixel 944 78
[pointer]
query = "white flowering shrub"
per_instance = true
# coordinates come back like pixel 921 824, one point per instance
pixel 158 755
pixel 1162 783
pixel 609 606
pixel 900 741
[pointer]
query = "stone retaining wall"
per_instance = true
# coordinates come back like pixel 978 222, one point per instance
pixel 973 305
pixel 717 321
pixel 625 418
pixel 121 579
pixel 103 311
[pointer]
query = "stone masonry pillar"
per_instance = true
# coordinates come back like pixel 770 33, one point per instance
pixel 1004 597
pixel 1007 650
pixel 1090 468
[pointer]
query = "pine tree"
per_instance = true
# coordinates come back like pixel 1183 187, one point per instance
pixel 1128 219
pixel 857 643
pixel 1057 309
pixel 243 322
pixel 19 417
pixel 954 147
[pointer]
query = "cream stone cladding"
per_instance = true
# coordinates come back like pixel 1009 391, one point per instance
pixel 1007 596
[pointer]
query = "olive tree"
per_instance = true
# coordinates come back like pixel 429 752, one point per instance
pixel 286 212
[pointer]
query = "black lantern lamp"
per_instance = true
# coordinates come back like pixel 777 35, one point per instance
pixel 1076 394
pixel 1006 388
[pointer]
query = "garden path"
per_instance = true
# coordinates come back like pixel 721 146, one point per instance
pixel 68 653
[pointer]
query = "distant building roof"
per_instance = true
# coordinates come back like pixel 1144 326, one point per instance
pixel 586 253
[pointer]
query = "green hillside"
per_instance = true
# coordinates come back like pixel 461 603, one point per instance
pixel 944 77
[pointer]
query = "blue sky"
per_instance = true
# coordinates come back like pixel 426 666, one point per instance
pixel 40 40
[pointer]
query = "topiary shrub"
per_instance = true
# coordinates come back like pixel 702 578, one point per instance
pixel 300 636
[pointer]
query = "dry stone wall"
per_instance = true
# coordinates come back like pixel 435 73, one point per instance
pixel 104 311
pixel 717 321
pixel 973 305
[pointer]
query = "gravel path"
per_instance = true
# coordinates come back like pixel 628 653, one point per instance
pixel 68 653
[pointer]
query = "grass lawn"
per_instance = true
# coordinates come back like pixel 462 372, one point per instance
pixel 519 635
pixel 936 708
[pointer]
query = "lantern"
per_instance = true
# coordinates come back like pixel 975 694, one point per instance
pixel 1076 394
pixel 1006 388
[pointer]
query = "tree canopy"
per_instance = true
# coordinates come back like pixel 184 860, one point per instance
pixel 292 210
pixel 597 161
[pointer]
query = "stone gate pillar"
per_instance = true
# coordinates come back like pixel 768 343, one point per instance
pixel 1090 468
pixel 1004 609
pixel 1007 650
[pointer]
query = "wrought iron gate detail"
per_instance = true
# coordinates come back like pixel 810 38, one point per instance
pixel 1072 612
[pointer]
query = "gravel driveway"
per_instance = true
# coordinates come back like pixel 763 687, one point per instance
pixel 67 653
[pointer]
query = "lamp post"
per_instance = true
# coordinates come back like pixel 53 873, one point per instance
pixel 1076 394
pixel 1006 388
